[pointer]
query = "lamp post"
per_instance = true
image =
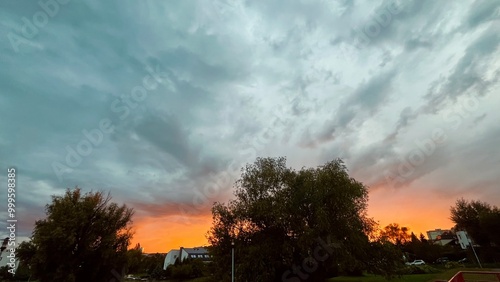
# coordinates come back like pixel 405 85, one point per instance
pixel 465 241
pixel 477 258
pixel 232 261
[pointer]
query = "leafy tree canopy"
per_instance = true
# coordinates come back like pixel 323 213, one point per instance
pixel 396 234
pixel 280 217
pixel 83 238
pixel 479 219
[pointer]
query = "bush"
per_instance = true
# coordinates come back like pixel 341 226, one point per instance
pixel 187 269
pixel 418 269
pixel 453 264
pixel 184 271
pixel 5 274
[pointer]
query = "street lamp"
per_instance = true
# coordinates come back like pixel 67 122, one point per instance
pixel 232 261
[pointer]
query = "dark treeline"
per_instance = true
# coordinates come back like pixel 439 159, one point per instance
pixel 283 224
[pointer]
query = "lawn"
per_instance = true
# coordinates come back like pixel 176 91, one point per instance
pixel 201 279
pixel 445 275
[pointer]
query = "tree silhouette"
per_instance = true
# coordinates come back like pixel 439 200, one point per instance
pixel 83 238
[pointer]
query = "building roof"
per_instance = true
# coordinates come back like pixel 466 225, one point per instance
pixel 196 250
pixel 433 234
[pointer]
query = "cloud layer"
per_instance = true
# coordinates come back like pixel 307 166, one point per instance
pixel 162 103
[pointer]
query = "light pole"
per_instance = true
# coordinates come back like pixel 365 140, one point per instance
pixel 477 258
pixel 232 261
pixel 465 241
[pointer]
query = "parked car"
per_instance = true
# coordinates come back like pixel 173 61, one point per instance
pixel 464 260
pixel 442 260
pixel 417 262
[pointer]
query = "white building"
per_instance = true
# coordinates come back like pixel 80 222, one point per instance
pixel 435 235
pixel 170 258
pixel 182 254
pixel 441 236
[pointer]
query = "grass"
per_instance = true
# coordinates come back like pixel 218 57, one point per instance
pixel 200 279
pixel 445 275
pixel 377 278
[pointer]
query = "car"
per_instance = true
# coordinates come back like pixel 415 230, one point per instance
pixel 464 260
pixel 442 260
pixel 417 262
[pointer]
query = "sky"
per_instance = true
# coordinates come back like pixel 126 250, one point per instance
pixel 162 102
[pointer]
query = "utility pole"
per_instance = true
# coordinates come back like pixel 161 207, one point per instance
pixel 232 261
pixel 477 258
pixel 465 241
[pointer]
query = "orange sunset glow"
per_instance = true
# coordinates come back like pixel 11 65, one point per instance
pixel 418 213
pixel 161 234
pixel 411 209
pixel 300 124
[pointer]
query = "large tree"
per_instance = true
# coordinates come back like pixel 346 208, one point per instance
pixel 290 225
pixel 83 238
pixel 479 219
pixel 396 234
pixel 135 259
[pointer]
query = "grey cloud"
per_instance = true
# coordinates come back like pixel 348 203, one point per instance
pixel 406 116
pixel 468 73
pixel 483 11
pixel 479 119
pixel 480 166
pixel 167 135
pixel 413 44
pixel 366 100
pixel 241 76
pixel 468 76
pixel 373 93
